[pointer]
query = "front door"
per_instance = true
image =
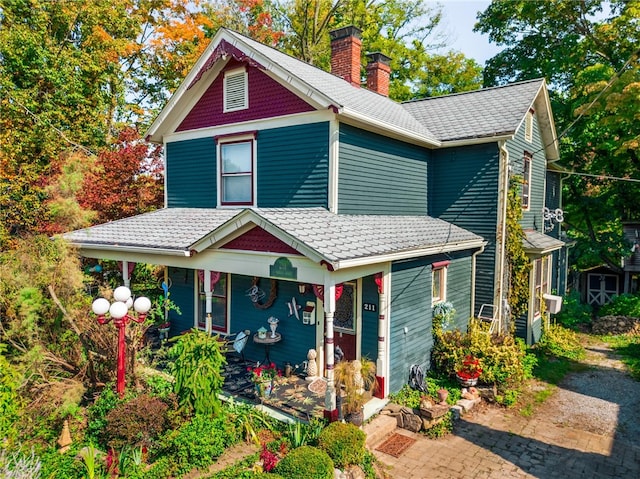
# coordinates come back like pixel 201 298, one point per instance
pixel 345 322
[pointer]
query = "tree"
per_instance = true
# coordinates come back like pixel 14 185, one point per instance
pixel 588 52
pixel 127 179
pixel 404 30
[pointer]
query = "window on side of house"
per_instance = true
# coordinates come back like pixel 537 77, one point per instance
pixel 528 127
pixel 236 167
pixel 541 275
pixel 439 282
pixel 235 90
pixel 218 305
pixel 526 179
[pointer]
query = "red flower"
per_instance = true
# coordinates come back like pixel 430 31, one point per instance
pixel 470 368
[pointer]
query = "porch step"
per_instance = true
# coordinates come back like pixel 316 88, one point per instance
pixel 378 429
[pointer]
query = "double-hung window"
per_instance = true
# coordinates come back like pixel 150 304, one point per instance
pixel 218 305
pixel 541 286
pixel 526 179
pixel 237 170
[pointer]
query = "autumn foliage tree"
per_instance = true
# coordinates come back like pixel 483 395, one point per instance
pixel 126 180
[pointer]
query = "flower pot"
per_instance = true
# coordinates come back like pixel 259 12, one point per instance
pixel 443 394
pixel 467 382
pixel 356 418
pixel 264 389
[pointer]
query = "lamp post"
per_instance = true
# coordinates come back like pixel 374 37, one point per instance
pixel 119 312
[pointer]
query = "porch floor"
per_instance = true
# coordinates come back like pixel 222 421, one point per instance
pixel 291 396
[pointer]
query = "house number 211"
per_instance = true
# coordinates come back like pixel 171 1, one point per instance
pixel 369 307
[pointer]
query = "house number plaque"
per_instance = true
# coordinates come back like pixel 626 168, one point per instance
pixel 369 307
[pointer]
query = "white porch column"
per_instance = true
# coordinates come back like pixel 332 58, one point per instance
pixel 208 293
pixel 126 279
pixel 381 361
pixel 330 408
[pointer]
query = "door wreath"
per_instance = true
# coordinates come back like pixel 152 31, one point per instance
pixel 256 296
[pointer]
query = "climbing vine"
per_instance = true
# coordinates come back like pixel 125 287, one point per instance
pixel 518 265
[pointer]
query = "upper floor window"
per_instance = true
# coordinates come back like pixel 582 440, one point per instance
pixel 528 126
pixel 439 282
pixel 526 179
pixel 236 90
pixel 236 167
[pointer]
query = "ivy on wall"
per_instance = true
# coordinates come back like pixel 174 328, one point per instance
pixel 518 265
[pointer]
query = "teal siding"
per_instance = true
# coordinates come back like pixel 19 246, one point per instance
pixel 293 166
pixel 182 294
pixel 379 175
pixel 297 338
pixel 369 345
pixel 463 189
pixel 531 218
pixel 191 173
pixel 459 288
pixel 411 308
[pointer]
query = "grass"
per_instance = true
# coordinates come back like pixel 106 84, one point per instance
pixel 628 348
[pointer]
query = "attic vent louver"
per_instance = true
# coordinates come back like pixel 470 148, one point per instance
pixel 236 95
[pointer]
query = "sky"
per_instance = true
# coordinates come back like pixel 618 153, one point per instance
pixel 459 16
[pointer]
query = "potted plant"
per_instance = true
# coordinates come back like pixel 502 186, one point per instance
pixel 263 377
pixel 355 383
pixel 469 371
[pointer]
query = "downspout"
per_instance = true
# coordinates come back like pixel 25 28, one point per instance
pixel 503 230
pixel 473 279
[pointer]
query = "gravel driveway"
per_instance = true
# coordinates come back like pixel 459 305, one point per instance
pixel 603 399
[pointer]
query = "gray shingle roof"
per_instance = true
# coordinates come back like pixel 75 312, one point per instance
pixel 476 114
pixel 343 94
pixel 535 241
pixel 333 237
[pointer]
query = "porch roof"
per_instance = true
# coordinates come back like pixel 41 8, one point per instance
pixel 340 240
pixel 538 243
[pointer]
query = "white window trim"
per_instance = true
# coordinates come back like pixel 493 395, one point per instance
pixel 442 269
pixel 234 73
pixel 254 174
pixel 527 180
pixel 545 282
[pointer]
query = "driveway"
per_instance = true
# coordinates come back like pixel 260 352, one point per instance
pixel 589 428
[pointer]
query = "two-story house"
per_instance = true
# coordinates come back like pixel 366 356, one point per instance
pixel 297 194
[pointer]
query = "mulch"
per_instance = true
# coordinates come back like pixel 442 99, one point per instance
pixel 396 444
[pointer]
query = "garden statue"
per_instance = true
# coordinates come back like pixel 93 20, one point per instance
pixel 312 365
pixel 357 376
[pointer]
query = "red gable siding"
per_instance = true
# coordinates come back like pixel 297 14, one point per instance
pixel 267 98
pixel 258 239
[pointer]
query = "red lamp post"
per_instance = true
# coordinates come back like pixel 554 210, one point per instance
pixel 119 312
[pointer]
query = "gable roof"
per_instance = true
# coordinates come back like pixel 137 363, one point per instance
pixel 489 114
pixel 319 86
pixel 338 240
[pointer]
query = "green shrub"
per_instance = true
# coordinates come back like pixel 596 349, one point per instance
pixel 622 305
pixel 97 420
pixel 56 465
pixel 574 311
pixel 560 342
pixel 344 442
pixel 198 372
pixel 503 358
pixel 10 400
pixel 407 396
pixel 198 443
pixel 307 462
pixel 136 422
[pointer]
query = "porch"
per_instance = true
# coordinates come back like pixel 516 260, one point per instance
pixel 292 397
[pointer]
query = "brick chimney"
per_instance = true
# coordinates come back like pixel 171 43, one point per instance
pixel 378 72
pixel 345 53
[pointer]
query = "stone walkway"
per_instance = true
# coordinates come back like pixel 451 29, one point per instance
pixel 491 442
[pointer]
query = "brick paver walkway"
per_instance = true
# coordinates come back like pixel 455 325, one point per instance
pixel 494 443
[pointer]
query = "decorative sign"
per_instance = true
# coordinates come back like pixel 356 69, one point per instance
pixel 282 268
pixel 369 307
